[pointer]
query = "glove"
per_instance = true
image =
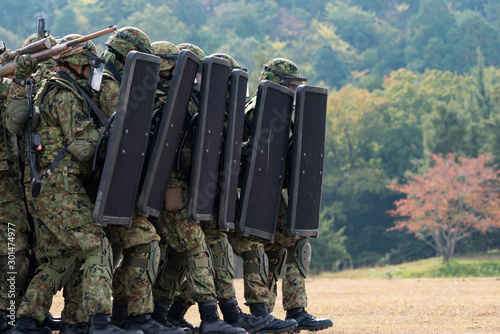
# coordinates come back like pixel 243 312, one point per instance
pixel 25 66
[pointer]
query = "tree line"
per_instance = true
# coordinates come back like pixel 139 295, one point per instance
pixel 406 79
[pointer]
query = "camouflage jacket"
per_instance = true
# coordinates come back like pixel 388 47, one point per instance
pixel 64 116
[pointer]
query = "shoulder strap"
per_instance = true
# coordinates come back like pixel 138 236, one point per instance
pixel 91 103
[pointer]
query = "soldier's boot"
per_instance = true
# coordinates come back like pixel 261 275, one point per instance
pixel 52 322
pixel 275 326
pixel 160 315
pixel 307 321
pixel 235 317
pixel 211 323
pixel 176 313
pixel 79 328
pixel 148 325
pixel 118 312
pixel 29 325
pixel 101 324
pixel 4 322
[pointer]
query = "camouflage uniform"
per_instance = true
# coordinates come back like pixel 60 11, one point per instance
pixel 188 256
pixel 13 225
pixel 284 251
pixel 132 282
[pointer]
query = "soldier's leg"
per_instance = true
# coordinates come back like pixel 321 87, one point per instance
pixel 223 261
pixel 255 275
pixel 13 261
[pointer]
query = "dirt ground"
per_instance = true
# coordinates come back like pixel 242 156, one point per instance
pixel 385 306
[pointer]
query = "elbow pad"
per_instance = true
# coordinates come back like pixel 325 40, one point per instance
pixel 17 111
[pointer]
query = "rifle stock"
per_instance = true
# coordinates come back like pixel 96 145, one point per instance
pixel 31 48
pixel 8 68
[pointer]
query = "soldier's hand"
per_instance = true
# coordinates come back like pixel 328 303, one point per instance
pixel 25 66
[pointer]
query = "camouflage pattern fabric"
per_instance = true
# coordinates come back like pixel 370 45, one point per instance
pixel 224 281
pixel 180 235
pixel 130 284
pixel 64 215
pixel 13 213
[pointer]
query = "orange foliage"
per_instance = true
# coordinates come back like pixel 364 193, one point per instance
pixel 457 195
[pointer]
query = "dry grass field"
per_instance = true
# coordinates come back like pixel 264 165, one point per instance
pixel 453 305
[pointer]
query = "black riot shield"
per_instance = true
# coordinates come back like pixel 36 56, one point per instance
pixel 116 197
pixel 168 136
pixel 208 139
pixel 228 192
pixel 265 162
pixel 306 170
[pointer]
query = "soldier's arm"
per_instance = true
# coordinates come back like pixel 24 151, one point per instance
pixel 76 125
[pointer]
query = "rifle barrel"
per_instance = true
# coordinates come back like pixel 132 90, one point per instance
pixel 8 68
pixel 31 48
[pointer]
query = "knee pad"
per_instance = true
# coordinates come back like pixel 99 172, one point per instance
pixel 276 264
pixel 300 254
pixel 224 256
pixel 151 263
pixel 16 263
pixel 193 262
pixel 102 255
pixel 261 268
pixel 60 270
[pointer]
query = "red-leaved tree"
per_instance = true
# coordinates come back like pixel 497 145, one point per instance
pixel 455 198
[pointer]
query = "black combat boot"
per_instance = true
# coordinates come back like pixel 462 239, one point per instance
pixel 160 315
pixel 211 323
pixel 119 312
pixel 176 313
pixel 235 317
pixel 79 328
pixel 148 325
pixel 29 325
pixel 275 326
pixel 101 324
pixel 306 321
pixel 4 322
pixel 52 322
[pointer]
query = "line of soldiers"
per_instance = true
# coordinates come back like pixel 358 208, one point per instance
pixel 167 264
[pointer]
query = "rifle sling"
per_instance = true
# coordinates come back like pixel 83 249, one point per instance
pixel 54 163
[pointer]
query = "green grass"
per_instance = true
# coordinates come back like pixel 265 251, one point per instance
pixel 483 265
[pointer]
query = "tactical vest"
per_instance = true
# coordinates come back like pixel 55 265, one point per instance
pixel 52 138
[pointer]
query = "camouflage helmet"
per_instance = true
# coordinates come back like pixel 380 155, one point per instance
pixel 234 63
pixel 193 48
pixel 34 37
pixel 79 53
pixel 168 53
pixel 129 39
pixel 281 71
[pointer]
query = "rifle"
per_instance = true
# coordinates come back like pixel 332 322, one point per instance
pixel 31 48
pixel 54 52
pixel 33 141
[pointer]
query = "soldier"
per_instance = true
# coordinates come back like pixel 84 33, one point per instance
pixel 261 295
pixel 14 222
pixel 133 279
pixel 223 268
pixel 77 253
pixel 14 209
pixel 188 256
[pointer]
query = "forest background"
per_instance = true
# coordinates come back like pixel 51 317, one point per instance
pixel 406 78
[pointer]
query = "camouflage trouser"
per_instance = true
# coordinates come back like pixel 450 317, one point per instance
pixel 66 230
pixel 184 243
pixel 256 290
pixel 13 239
pixel 131 284
pixel 224 277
